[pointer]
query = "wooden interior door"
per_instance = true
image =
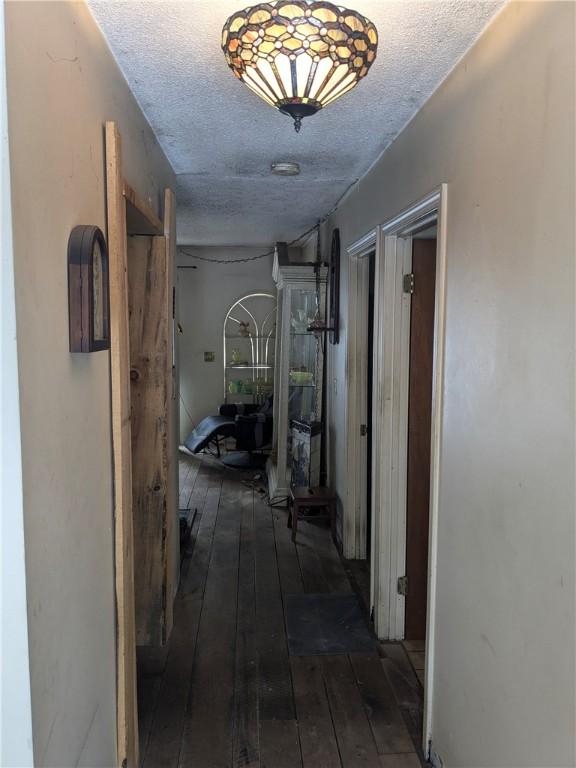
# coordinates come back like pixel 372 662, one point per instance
pixel 419 421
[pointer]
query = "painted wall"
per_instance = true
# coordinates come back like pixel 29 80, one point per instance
pixel 62 85
pixel 500 132
pixel 16 748
pixel 205 295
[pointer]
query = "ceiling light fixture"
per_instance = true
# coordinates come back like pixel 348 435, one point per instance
pixel 285 169
pixel 299 55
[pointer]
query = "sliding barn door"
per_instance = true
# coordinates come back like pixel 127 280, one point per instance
pixel 149 286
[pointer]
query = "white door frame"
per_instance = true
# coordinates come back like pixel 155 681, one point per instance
pixel 355 512
pixel 389 428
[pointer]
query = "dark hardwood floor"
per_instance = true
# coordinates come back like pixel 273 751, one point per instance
pixel 224 692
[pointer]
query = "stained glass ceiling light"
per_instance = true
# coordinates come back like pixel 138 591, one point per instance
pixel 299 55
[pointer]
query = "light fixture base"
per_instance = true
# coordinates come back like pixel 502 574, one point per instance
pixel 298 111
pixel 285 168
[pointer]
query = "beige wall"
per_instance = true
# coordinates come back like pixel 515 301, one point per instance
pixel 205 295
pixel 15 705
pixel 500 132
pixel 62 85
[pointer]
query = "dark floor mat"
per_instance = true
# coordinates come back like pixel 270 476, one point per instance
pixel 326 624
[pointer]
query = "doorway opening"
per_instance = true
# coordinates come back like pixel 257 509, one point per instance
pixel 369 398
pixel 357 520
pixel 407 358
pixel 143 390
pixel 422 284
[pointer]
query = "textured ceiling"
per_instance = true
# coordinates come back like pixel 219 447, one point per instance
pixel 221 138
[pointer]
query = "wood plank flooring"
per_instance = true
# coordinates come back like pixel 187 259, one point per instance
pixel 224 692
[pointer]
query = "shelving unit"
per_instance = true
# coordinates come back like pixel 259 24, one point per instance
pixel 301 295
pixel 251 378
pixel 240 366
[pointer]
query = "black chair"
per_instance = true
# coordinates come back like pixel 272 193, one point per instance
pixel 253 436
pixel 249 424
pixel 211 430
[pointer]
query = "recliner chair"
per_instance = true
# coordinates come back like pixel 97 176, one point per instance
pixel 251 426
pixel 253 435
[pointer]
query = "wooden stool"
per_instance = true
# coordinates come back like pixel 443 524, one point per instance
pixel 311 497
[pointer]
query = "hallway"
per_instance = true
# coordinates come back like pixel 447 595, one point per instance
pixel 225 691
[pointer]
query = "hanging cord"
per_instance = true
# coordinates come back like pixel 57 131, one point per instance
pixel 224 261
pixel 187 412
pixel 245 259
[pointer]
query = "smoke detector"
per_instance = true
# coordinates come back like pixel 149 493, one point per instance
pixel 285 169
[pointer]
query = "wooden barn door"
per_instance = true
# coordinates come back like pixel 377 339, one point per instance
pixel 149 290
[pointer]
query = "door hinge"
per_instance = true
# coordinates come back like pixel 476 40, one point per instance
pixel 402 585
pixel 363 430
pixel 408 283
